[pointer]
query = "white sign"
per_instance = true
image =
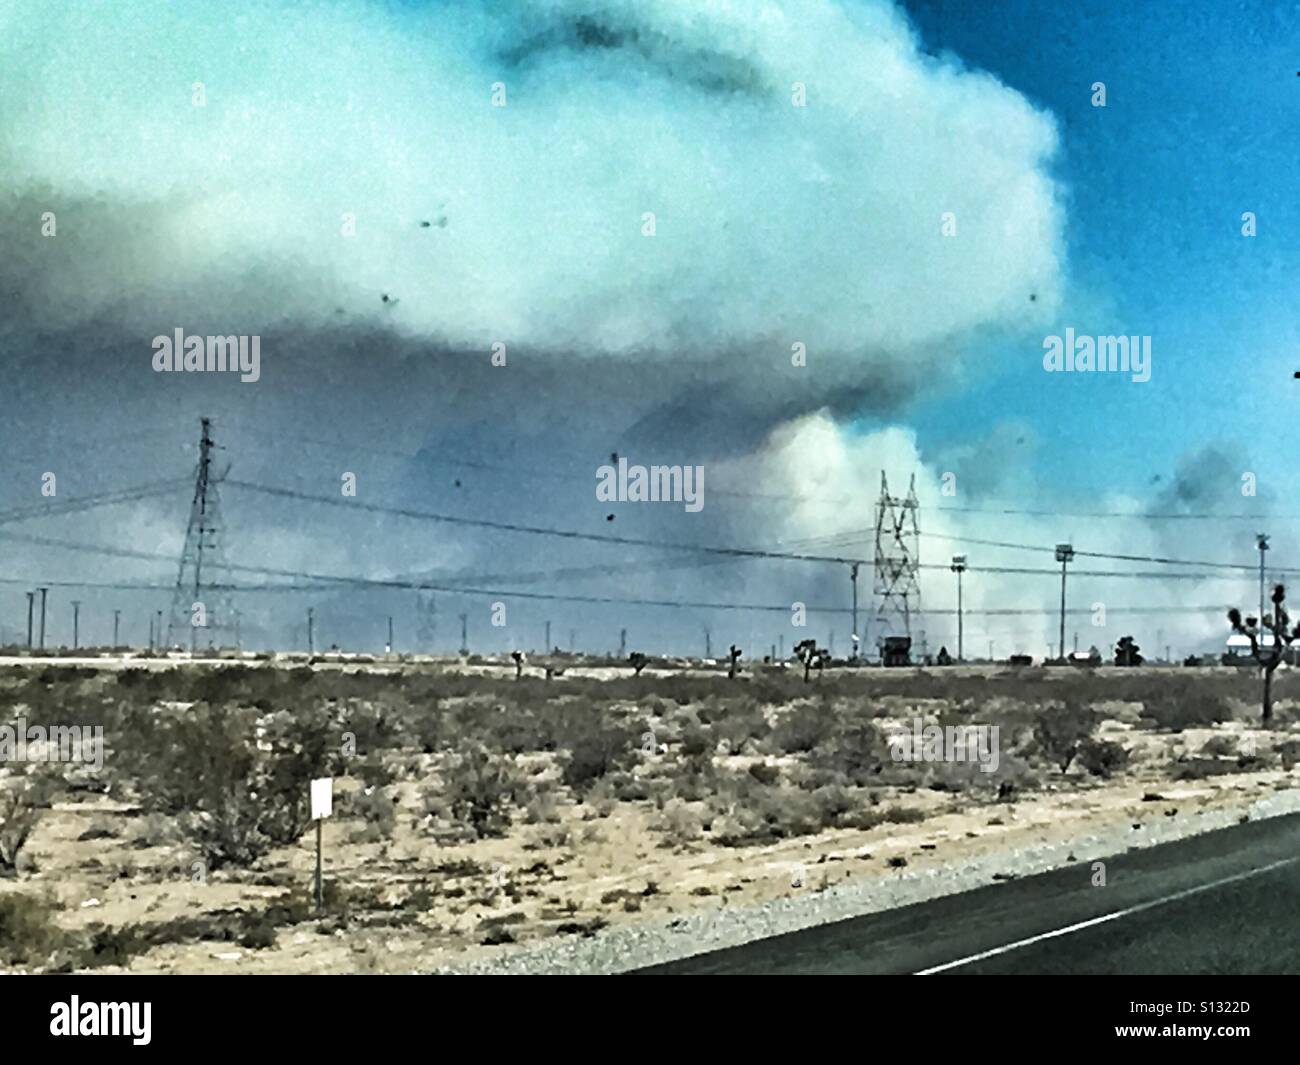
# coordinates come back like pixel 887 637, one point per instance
pixel 322 798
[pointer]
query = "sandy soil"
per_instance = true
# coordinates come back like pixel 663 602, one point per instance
pixel 430 905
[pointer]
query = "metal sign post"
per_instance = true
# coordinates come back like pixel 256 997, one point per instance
pixel 322 805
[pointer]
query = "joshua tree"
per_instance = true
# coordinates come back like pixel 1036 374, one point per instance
pixel 1268 658
pixel 812 658
pixel 518 656
pixel 638 661
pixel 1126 652
pixel 733 656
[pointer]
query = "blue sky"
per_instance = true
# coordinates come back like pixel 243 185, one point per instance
pixel 1201 124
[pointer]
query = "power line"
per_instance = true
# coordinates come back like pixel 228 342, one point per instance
pixel 58 508
pixel 332 583
pixel 536 530
pixel 992 507
pixel 737 552
pixel 1093 554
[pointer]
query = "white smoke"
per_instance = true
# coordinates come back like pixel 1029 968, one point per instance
pixel 772 223
pixel 829 480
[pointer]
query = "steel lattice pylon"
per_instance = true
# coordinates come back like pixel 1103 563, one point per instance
pixel 203 584
pixel 896 584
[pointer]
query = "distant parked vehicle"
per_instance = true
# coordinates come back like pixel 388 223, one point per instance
pixel 896 651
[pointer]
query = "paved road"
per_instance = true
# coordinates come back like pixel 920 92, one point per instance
pixel 1225 902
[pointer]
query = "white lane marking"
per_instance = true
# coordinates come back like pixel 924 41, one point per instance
pixel 1107 917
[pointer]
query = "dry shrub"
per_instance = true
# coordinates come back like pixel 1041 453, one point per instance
pixel 1060 731
pixel 678 823
pixel 1102 758
pixel 1184 707
pixel 28 934
pixel 595 751
pixel 478 790
pixel 803 728
pixel 237 781
pixel 377 809
pixel 22 801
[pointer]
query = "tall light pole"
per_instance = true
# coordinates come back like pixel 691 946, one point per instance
pixel 548 637
pixel 959 567
pixel 43 592
pixel 76 624
pixel 31 599
pixel 464 634
pixel 311 631
pixel 1064 554
pixel 853 576
pixel 1261 541
pixel 161 646
pixel 388 650
pixel 117 621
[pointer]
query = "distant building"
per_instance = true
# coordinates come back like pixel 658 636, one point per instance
pixel 1237 651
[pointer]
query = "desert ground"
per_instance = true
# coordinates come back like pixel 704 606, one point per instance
pixel 477 815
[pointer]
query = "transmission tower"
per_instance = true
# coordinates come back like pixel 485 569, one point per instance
pixel 202 596
pixel 896 587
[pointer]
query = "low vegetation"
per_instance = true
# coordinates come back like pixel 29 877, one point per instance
pixel 214 767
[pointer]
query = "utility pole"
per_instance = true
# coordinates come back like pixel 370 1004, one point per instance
pixel 162 646
pixel 548 637
pixel 239 641
pixel 43 592
pixel 959 567
pixel 388 648
pixel 311 631
pixel 708 642
pixel 31 600
pixel 464 634
pixel 76 624
pixel 853 576
pixel 780 643
pixel 622 643
pixel 151 632
pixel 1261 541
pixel 990 650
pixel 117 622
pixel 1076 641
pixel 1064 554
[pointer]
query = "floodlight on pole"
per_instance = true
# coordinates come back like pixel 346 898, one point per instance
pixel 1064 555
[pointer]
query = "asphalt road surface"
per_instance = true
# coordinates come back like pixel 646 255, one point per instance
pixel 1226 902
